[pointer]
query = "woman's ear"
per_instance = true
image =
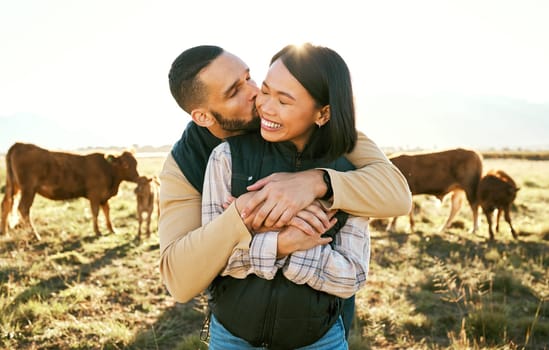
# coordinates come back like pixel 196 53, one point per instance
pixel 201 117
pixel 323 116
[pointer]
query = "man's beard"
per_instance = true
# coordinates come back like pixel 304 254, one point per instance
pixel 238 125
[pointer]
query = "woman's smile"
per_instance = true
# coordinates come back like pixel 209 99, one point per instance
pixel 269 125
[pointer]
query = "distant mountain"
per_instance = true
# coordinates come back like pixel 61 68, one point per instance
pixel 394 122
pixel 128 131
pixel 31 128
pixel 453 121
pixel 54 135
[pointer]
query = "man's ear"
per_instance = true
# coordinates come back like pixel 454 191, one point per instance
pixel 323 116
pixel 202 118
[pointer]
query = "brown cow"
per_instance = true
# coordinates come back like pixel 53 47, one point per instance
pixel 497 190
pixel 58 176
pixel 146 193
pixel 439 173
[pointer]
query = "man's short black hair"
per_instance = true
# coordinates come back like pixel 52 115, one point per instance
pixel 187 90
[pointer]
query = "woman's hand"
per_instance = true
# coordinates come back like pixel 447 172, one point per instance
pixel 278 198
pixel 313 220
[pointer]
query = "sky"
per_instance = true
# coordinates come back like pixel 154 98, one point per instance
pixel 94 73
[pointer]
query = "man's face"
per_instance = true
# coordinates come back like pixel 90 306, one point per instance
pixel 231 95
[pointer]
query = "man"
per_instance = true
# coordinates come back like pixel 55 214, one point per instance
pixel 215 88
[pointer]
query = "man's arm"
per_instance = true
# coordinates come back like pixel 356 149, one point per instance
pixel 191 255
pixel 376 189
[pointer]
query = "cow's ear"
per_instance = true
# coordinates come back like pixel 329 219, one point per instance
pixel 123 162
pixel 110 158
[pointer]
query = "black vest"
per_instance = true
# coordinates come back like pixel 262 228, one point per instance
pixel 192 151
pixel 277 314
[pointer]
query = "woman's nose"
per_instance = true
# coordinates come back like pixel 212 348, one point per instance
pixel 263 102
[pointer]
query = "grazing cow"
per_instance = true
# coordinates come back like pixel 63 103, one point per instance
pixel 147 197
pixel 58 176
pixel 439 173
pixel 497 190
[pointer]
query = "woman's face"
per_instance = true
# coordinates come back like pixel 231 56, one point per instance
pixel 288 112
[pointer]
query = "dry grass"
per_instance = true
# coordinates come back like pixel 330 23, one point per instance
pixel 517 154
pixel 426 290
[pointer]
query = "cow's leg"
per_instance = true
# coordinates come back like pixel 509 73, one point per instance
pixel 508 219
pixel 473 203
pixel 411 219
pixel 149 214
pixel 157 215
pixel 392 224
pixel 7 205
pixel 25 203
pixel 455 205
pixel 489 214
pixel 474 208
pixel 139 222
pixel 13 218
pixel 95 213
pixel 500 211
pixel 106 211
pixel 7 201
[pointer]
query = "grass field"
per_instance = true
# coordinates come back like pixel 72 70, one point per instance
pixel 426 290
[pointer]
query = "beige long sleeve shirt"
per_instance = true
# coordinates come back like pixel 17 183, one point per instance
pixel 193 255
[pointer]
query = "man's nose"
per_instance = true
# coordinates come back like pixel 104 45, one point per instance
pixel 254 90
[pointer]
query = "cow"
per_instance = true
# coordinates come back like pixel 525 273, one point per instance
pixel 454 171
pixel 497 190
pixel 59 176
pixel 146 193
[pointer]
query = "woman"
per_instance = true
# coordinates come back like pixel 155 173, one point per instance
pixel 269 296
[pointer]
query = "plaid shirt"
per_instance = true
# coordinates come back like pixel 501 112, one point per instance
pixel 340 271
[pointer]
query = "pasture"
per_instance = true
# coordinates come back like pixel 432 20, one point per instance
pixel 453 290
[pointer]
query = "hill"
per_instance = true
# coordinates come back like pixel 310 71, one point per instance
pixel 447 121
pixel 395 122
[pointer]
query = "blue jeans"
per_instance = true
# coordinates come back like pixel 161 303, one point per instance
pixel 222 339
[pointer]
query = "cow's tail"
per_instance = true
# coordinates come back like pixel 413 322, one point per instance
pixel 10 190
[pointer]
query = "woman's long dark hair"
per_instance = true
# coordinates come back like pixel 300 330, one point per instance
pixel 325 75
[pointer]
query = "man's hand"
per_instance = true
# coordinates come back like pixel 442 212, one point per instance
pixel 312 220
pixel 280 196
pixel 292 239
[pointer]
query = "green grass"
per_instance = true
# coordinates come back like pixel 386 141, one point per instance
pixel 426 290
